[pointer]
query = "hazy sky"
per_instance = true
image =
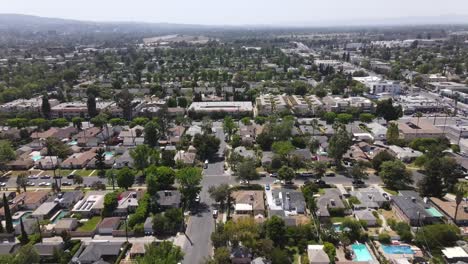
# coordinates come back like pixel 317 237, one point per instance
pixel 234 12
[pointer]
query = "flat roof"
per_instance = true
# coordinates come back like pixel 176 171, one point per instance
pixel 45 208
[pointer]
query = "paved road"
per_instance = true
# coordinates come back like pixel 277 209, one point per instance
pixel 200 225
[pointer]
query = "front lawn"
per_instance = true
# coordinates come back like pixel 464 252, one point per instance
pixel 90 225
pixel 390 191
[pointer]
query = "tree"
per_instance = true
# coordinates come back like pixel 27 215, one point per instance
pixel 395 175
pixel 366 117
pixel 207 145
pixel 320 168
pixel 279 256
pixel 159 178
pixel 152 133
pixel 111 202
pixel 460 193
pixel 21 181
pixel 162 253
pixel 222 255
pixel 141 157
pixel 24 239
pixel 330 249
pixel 78 179
pixel 124 100
pixel 91 104
pixel 56 147
pixel 276 231
pixel 27 254
pixel 393 133
pixel 125 177
pixel 189 183
pixel 344 118
pixel 388 111
pixel 437 236
pixel 339 144
pixel 117 121
pixel 100 120
pixel 220 193
pixel 8 220
pixel 59 122
pixel 7 153
pixel 100 162
pixel 380 158
pixel 78 122
pixel 45 106
pixel 329 117
pixel 229 126
pixel 282 148
pixel 357 172
pixel 247 170
pixel 286 173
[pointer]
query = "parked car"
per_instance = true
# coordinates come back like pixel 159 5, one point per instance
pixel 274 174
pixel 197 199
pixel 329 174
pixel 71 176
pixel 243 182
pixel 206 164
pixel 267 187
pixel 33 177
pixel 66 183
pixel 45 176
pixel 215 213
pixel 3 184
pixel 29 183
pixel 358 183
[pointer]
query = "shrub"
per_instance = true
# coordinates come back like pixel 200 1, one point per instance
pixel 141 212
pixel 384 238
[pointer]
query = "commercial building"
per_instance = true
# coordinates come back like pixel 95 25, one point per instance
pixel 340 105
pixel 414 128
pixel 417 103
pixel 26 105
pixel 236 107
pixel 377 86
pixel 79 109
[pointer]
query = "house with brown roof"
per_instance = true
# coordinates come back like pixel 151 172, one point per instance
pixel 108 225
pixel 78 160
pixel 249 203
pixel 175 133
pixel 88 137
pixel 30 200
pixel 448 208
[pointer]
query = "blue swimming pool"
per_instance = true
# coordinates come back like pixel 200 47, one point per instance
pixel 397 249
pixel 59 216
pixel 16 217
pixel 361 253
pixel 337 227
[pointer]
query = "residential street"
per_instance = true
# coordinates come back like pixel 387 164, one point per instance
pixel 201 224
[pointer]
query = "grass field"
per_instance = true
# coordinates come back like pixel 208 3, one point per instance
pixel 90 225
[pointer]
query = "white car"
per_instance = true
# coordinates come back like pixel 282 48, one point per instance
pixel 3 184
pixel 42 184
pixel 244 182
pixel 277 182
pixel 33 177
pixel 30 184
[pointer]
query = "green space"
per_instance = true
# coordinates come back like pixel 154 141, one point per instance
pixel 90 225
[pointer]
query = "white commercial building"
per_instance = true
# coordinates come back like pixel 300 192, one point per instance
pixel 236 107
pixel 24 105
pixel 376 85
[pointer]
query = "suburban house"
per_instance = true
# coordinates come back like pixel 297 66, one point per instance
pixel 287 203
pixel 455 255
pixel 169 199
pixel 100 251
pixel 124 160
pixel 45 210
pixel 245 153
pixel 108 225
pixel 317 255
pixel 91 204
pixel 328 203
pixel 46 250
pixel 31 200
pixel 369 198
pixel 448 208
pixel 366 216
pixel 249 203
pixel 186 157
pixel 409 206
pixel 68 199
pixel 65 224
pixel 78 160
pixel 128 202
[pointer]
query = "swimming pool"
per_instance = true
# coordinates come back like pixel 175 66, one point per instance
pixel 109 154
pixel 72 143
pixel 59 216
pixel 337 227
pixel 16 217
pixel 36 158
pixel 361 252
pixel 434 212
pixel 394 249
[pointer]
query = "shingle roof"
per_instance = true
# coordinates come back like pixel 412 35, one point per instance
pixel 96 250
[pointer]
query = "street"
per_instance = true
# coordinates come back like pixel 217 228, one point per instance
pixel 200 225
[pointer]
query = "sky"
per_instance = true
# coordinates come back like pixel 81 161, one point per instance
pixel 236 12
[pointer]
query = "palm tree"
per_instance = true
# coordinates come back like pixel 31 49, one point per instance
pixel 460 191
pixel 447 112
pixel 418 115
pixel 21 182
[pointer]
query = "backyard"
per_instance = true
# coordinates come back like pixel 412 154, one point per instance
pixel 90 225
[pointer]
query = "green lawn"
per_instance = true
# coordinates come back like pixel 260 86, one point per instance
pixel 321 191
pixel 90 225
pixel 392 192
pixel 337 219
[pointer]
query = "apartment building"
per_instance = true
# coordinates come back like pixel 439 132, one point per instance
pixel 267 104
pixel 304 105
pixel 79 109
pixel 340 104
